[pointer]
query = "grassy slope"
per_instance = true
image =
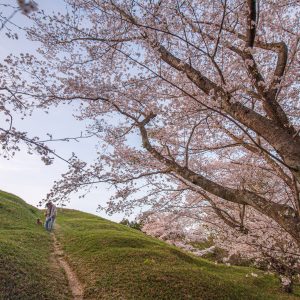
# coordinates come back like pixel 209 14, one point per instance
pixel 26 272
pixel 116 262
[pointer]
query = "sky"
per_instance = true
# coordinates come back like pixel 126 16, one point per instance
pixel 26 175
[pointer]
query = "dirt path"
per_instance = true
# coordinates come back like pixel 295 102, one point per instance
pixel 74 284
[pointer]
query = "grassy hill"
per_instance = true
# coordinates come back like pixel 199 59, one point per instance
pixel 27 270
pixel 116 262
pixel 112 261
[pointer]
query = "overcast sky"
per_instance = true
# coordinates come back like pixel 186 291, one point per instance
pixel 26 175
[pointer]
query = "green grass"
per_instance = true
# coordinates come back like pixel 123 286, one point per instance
pixel 26 268
pixel 116 262
pixel 112 261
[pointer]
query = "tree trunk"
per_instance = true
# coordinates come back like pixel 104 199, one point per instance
pixel 287 283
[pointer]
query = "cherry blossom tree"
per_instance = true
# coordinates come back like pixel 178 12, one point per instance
pixel 188 98
pixel 165 226
pixel 241 232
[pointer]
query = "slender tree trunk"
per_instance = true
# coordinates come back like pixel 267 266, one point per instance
pixel 287 283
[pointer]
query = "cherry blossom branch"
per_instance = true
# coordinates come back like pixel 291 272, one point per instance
pixel 272 209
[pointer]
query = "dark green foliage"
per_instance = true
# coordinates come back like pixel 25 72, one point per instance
pixel 132 224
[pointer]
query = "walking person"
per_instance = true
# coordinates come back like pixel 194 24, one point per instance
pixel 51 213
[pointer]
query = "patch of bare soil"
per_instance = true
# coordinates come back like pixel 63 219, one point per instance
pixel 74 284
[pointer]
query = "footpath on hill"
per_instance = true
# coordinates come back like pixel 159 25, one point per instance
pixel 74 283
pixel 27 267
